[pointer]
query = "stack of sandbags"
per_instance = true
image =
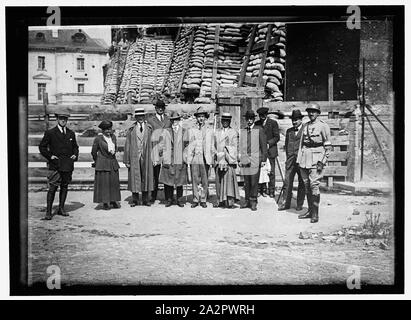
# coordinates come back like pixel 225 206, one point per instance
pixel 145 70
pixel 177 64
pixel 274 67
pixel 113 76
pixel 228 57
pixel 192 79
pixel 229 60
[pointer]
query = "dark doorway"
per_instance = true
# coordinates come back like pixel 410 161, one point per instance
pixel 315 50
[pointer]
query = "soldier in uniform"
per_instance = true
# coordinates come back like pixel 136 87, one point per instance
pixel 272 134
pixel 252 156
pixel 138 160
pixel 312 156
pixel 226 156
pixel 158 122
pixel 200 157
pixel 292 145
pixel 59 147
pixel 173 172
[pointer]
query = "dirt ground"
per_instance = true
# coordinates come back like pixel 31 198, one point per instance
pixel 157 245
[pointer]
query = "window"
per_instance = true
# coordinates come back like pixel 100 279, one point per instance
pixel 41 89
pixel 80 88
pixel 80 64
pixel 41 63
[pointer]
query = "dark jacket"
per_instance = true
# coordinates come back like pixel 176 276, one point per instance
pixel 104 160
pixel 292 144
pixel 55 143
pixel 272 134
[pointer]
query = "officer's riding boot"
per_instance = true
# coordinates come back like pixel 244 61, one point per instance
pixel 315 207
pixel 50 199
pixel 62 198
pixel 310 206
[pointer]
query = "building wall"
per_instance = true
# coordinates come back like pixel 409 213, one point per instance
pixel 39 76
pixel 62 68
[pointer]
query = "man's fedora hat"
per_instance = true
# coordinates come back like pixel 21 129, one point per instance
pixel 296 114
pixel 201 110
pixel 262 110
pixel 249 114
pixel 175 116
pixel 105 124
pixel 313 107
pixel 159 104
pixel 139 112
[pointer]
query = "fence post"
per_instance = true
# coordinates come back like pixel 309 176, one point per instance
pixel 354 152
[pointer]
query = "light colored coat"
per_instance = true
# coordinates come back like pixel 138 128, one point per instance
pixel 174 169
pixel 137 154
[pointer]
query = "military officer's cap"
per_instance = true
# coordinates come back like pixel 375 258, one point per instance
pixel 313 106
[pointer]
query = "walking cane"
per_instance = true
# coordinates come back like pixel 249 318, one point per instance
pixel 282 178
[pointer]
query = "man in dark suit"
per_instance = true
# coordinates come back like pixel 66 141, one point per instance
pixel 158 122
pixel 252 156
pixel 292 144
pixel 59 147
pixel 272 134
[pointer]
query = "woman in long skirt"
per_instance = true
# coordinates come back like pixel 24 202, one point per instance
pixel 106 181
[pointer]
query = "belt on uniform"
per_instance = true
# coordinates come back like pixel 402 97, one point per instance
pixel 312 144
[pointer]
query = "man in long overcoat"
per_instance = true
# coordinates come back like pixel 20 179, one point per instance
pixel 137 158
pixel 173 171
pixel 226 157
pixel 292 144
pixel 272 134
pixel 159 122
pixel 252 156
pixel 200 157
pixel 60 148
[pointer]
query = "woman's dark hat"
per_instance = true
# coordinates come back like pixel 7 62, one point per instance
pixel 296 114
pixel 105 124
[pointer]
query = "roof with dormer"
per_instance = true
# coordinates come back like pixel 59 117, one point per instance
pixel 69 40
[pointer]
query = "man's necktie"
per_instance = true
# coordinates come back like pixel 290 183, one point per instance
pixel 141 128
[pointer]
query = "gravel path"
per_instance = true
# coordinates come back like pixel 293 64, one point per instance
pixel 175 245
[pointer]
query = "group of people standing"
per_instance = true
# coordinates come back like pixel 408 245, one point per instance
pixel 158 149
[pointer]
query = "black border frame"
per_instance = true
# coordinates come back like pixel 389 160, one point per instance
pixel 19 18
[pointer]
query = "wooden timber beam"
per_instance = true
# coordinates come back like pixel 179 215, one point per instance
pixel 215 61
pixel 247 56
pixel 264 57
pixel 183 73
